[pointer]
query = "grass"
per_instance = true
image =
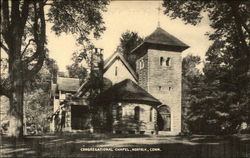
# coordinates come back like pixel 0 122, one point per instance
pixel 70 146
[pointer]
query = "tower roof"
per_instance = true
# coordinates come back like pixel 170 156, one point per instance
pixel 162 39
pixel 127 91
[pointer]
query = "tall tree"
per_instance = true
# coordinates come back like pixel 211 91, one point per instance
pixel 128 41
pixel 229 19
pixel 76 70
pixel 191 80
pixel 225 98
pixel 23 38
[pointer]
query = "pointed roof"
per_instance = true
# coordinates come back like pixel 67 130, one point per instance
pixel 161 38
pixel 127 91
pixel 117 55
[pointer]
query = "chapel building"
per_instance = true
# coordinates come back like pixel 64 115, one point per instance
pixel 145 99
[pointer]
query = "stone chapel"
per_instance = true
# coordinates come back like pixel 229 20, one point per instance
pixel 141 100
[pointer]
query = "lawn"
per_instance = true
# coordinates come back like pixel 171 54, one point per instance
pixel 80 145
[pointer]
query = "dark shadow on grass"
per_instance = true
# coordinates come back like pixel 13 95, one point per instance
pixel 179 147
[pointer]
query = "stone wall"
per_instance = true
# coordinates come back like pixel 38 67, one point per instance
pixel 127 123
pixel 142 72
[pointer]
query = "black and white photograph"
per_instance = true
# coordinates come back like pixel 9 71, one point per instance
pixel 125 78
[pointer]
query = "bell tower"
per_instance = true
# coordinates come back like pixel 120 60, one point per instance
pixel 159 67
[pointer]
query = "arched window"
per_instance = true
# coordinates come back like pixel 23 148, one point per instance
pixel 168 61
pixel 119 113
pixel 141 64
pixel 151 117
pixel 161 60
pixel 137 113
pixel 116 69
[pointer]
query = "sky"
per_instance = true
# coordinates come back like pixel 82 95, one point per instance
pixel 138 16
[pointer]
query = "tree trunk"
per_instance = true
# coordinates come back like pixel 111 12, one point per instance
pixel 17 88
pixel 16 101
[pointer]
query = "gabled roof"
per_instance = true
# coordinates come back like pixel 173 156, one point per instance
pixel 87 85
pixel 68 84
pixel 161 37
pixel 117 55
pixel 127 91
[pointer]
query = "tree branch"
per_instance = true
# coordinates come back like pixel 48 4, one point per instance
pixel 24 50
pixel 24 16
pixel 235 10
pixel 40 41
pixel 5 23
pixel 4 48
pixel 36 36
pixel 15 13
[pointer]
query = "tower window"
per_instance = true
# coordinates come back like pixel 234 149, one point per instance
pixel 159 88
pixel 161 60
pixel 141 64
pixel 170 88
pixel 168 61
pixel 116 68
pixel 151 114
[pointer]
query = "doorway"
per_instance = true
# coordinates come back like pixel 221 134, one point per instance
pixel 164 118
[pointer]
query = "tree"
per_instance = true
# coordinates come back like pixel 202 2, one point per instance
pixel 76 70
pixel 23 38
pixel 229 19
pixel 224 98
pixel 37 104
pixel 191 79
pixel 128 41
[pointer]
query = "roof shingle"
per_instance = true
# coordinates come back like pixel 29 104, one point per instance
pixel 161 37
pixel 68 84
pixel 127 91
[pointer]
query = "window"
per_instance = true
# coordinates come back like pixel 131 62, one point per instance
pixel 159 88
pixel 119 113
pixel 170 88
pixel 161 60
pixel 141 64
pixel 168 61
pixel 116 68
pixel 151 114
pixel 137 113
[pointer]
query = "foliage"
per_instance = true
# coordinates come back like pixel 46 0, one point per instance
pixel 76 70
pixel 37 99
pixel 4 121
pixel 37 110
pixel 221 103
pixel 23 38
pixel 191 80
pixel 78 17
pixel 128 41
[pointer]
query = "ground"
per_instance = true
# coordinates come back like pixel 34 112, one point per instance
pixel 160 146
